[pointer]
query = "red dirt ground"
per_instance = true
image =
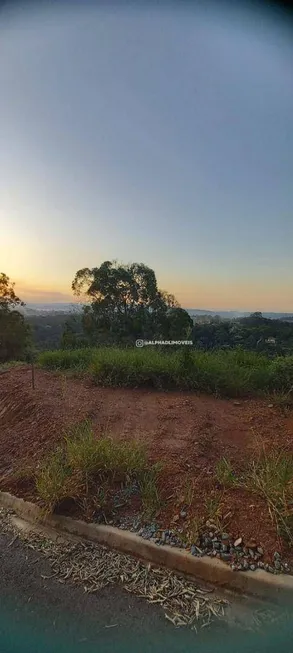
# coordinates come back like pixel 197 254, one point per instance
pixel 189 433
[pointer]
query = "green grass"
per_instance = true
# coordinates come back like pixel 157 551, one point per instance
pixel 52 479
pixel 235 373
pixel 224 473
pixel 85 465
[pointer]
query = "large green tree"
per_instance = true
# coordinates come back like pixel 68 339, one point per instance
pixel 124 303
pixel 14 331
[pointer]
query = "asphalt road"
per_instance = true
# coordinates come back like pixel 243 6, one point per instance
pixel 43 616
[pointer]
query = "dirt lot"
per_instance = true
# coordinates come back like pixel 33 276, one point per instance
pixel 190 433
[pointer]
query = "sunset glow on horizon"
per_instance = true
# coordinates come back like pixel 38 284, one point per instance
pixel 162 136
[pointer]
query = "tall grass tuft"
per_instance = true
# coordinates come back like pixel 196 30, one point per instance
pixel 52 479
pixel 85 464
pixel 270 476
pixel 224 473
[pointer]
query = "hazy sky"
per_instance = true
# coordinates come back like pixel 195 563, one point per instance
pixel 160 136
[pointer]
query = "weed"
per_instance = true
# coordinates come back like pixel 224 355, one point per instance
pixel 214 511
pixel 148 484
pixel 271 476
pixel 52 479
pixel 188 490
pixel 87 462
pixel 63 386
pixel 194 530
pixel 224 473
pixel 25 473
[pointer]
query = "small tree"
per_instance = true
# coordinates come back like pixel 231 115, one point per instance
pixel 14 331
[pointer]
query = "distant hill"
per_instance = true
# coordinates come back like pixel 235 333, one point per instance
pixel 67 307
pixel 57 307
pixel 230 315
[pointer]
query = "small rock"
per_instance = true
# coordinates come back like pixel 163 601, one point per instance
pixel 225 556
pixel 277 565
pixel 224 548
pixel 238 542
pixel 286 566
pixel 252 567
pixel 193 550
pixel 216 545
pixel 245 565
pixel 271 569
pixel 207 542
pixel 183 514
pixel 260 550
pixel 261 565
pixel 251 553
pixel 277 556
pixel 237 403
pixel 233 567
pixel 270 405
pixel 225 537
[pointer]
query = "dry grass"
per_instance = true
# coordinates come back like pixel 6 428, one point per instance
pixel 271 476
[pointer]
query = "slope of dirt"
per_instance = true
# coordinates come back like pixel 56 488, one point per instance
pixel 189 432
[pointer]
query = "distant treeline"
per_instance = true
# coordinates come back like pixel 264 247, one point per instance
pixel 253 333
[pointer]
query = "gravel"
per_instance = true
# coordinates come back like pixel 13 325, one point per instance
pixel 221 545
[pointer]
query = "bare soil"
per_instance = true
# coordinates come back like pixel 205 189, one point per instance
pixel 189 433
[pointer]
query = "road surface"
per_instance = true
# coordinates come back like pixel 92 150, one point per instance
pixel 43 616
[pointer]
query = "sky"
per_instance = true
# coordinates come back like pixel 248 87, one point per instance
pixel 148 133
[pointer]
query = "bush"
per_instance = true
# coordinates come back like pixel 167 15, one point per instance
pixel 282 374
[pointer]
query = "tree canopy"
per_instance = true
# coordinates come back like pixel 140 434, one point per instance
pixel 14 331
pixel 124 304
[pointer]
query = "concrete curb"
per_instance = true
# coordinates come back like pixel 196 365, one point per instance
pixel 258 583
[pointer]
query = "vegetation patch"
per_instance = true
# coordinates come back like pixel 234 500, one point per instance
pixel 85 468
pixel 224 373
